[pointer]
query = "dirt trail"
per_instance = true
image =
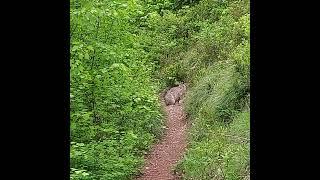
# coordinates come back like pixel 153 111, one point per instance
pixel 164 155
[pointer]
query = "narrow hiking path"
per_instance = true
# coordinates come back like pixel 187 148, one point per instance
pixel 169 150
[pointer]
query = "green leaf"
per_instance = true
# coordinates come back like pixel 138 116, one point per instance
pixel 80 56
pixel 85 174
pixel 86 56
pixel 74 48
pixel 90 48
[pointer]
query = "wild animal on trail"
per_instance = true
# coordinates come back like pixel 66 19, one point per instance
pixel 174 94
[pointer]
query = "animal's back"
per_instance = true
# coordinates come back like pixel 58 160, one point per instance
pixel 174 94
pixel 169 98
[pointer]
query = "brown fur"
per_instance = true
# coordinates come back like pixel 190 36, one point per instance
pixel 174 94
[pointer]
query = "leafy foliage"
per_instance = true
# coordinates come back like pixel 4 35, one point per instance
pixel 124 52
pixel 213 56
pixel 115 112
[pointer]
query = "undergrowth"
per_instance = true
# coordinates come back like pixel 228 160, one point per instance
pixel 215 61
pixel 123 53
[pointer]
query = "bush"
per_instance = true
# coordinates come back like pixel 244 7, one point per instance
pixel 115 111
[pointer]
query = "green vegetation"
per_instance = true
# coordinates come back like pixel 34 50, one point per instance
pixel 123 53
pixel 115 112
pixel 216 63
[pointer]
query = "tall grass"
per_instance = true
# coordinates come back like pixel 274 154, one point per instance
pixel 215 61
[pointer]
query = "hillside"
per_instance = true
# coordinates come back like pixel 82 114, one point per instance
pixel 124 53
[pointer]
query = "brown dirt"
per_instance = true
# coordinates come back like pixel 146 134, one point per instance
pixel 165 154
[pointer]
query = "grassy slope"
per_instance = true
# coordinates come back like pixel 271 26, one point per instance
pixel 206 45
pixel 214 59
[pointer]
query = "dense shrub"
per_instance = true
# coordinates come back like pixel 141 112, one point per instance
pixel 115 111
